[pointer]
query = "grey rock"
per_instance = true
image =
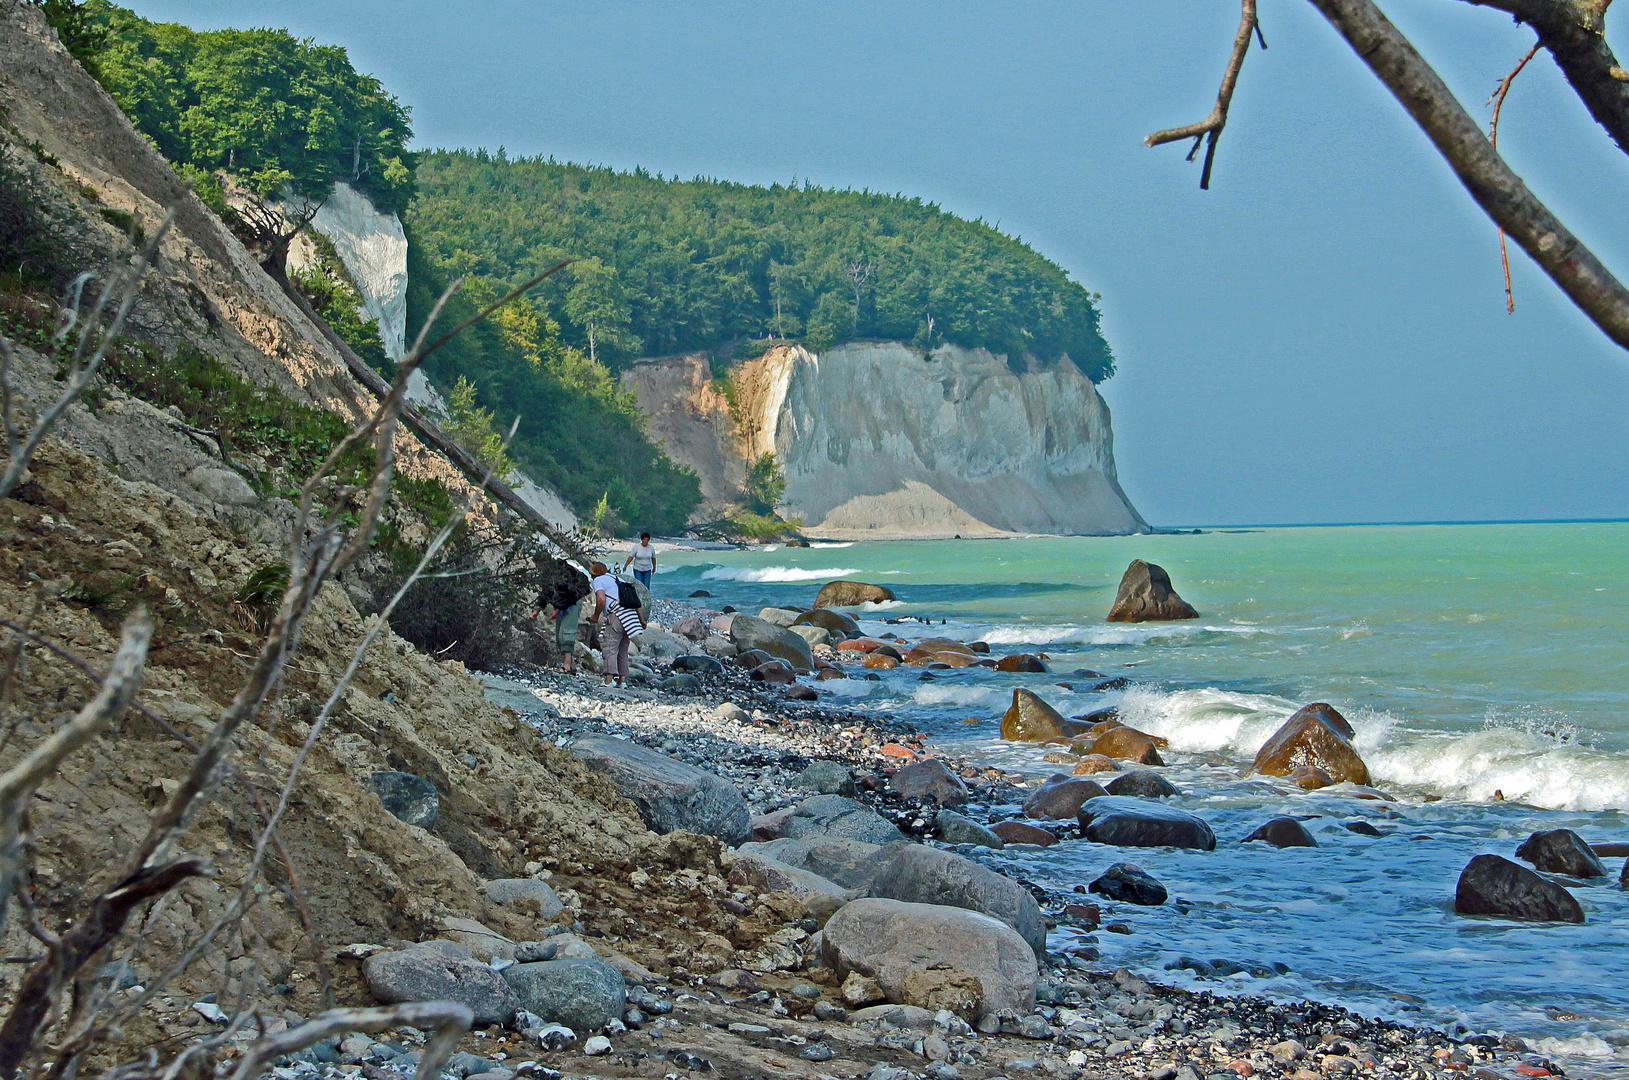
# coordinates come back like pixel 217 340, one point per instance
pixel 670 794
pixel 830 1012
pixel 697 664
pixel 530 952
pixel 825 778
pixel 929 779
pixel 1125 821
pixel 682 683
pixel 1561 851
pixel 849 863
pixel 118 974
pixel 582 994
pixel 1490 885
pixel 503 890
pixel 1143 783
pixel 692 627
pixel 430 974
pixel 464 1065
pixel 222 486
pixel 922 875
pixel 484 943
pixel 956 829
pixel 770 876
pixel 749 633
pixel 411 798
pixel 1061 798
pixel 836 817
pixel 1129 884
pixel 814 635
pixel 776 616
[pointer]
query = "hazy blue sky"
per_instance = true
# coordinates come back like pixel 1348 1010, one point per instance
pixel 1320 337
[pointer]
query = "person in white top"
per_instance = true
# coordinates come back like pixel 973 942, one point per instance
pixel 643 560
pixel 617 625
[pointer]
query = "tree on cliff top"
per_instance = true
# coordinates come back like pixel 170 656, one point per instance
pixel 700 263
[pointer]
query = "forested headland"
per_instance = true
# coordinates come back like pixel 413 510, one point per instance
pixel 658 266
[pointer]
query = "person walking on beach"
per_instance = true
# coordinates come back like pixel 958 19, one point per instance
pixel 562 603
pixel 618 623
pixel 643 559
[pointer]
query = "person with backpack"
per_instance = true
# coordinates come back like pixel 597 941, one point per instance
pixel 563 601
pixel 620 619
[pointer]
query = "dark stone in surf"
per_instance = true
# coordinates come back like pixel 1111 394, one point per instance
pixel 1062 797
pixel 1561 851
pixel 1129 884
pixel 1119 682
pixel 1022 662
pixel 1131 822
pixel 1490 885
pixel 1283 832
pixel 1362 828
pixel 1146 595
pixel 1018 832
pixel 1143 784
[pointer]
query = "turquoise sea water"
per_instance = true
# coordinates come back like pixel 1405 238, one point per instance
pixel 1472 659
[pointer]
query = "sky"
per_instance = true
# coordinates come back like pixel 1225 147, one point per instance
pixel 1321 337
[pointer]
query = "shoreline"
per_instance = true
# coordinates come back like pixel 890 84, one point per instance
pixel 1176 1031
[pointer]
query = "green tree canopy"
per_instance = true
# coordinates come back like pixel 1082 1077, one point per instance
pixel 698 263
pixel 263 105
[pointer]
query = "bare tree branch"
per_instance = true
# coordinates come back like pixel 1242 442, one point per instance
pixel 1491 182
pixel 1210 128
pixel 448 1019
pixel 1574 33
pixel 1498 103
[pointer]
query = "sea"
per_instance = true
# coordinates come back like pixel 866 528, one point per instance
pixel 1485 668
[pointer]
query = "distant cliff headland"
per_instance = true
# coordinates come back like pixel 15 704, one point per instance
pixel 934 376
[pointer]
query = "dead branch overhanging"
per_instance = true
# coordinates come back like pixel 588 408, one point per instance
pixel 1490 181
pixel 1209 130
pixel 1497 100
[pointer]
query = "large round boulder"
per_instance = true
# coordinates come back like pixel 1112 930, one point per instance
pixel 669 793
pixel 1146 595
pixel 1130 884
pixel 584 995
pixel 1490 885
pixel 833 622
pixel 1022 662
pixel 1315 735
pixel 765 875
pixel 1061 797
pixel 1283 832
pixel 444 972
pixel 1144 784
pixel 840 818
pixel 1128 744
pixel 851 594
pixel 924 875
pixel 1561 851
pixel 1029 719
pixel 955 829
pixel 748 633
pixel 929 779
pixel 932 956
pixel 1131 822
pixel 850 863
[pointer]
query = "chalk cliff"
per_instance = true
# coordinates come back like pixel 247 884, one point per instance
pixel 877 440
pixel 373 247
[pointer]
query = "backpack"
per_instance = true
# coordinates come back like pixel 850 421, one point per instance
pixel 627 595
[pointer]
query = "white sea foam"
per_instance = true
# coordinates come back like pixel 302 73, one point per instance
pixel 1522 765
pixel 1205 720
pixel 772 573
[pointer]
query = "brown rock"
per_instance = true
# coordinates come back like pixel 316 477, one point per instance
pixel 1061 797
pixel 1095 763
pixel 1029 719
pixel 859 990
pixel 1310 777
pixel 1316 735
pixel 773 672
pixel 797 692
pixel 1059 757
pixel 835 622
pixel 1283 832
pixel 1129 744
pixel 851 594
pixel 942 644
pixel 1025 662
pixel 771 826
pixel 1018 832
pixel 827 673
pixel 881 661
pixel 1146 596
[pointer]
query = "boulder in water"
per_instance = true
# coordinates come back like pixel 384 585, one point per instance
pixel 1146 595
pixel 1061 797
pixel 1316 735
pixel 1094 763
pixel 1561 851
pixel 749 633
pixel 1130 884
pixel 1131 822
pixel 851 594
pixel 1019 832
pixel 1029 719
pixel 1283 832
pixel 1022 662
pixel 1144 784
pixel 1490 885
pixel 1128 744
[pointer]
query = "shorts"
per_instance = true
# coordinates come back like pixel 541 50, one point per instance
pixel 565 627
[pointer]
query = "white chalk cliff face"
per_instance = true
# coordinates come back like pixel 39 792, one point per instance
pixel 373 247
pixel 877 441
